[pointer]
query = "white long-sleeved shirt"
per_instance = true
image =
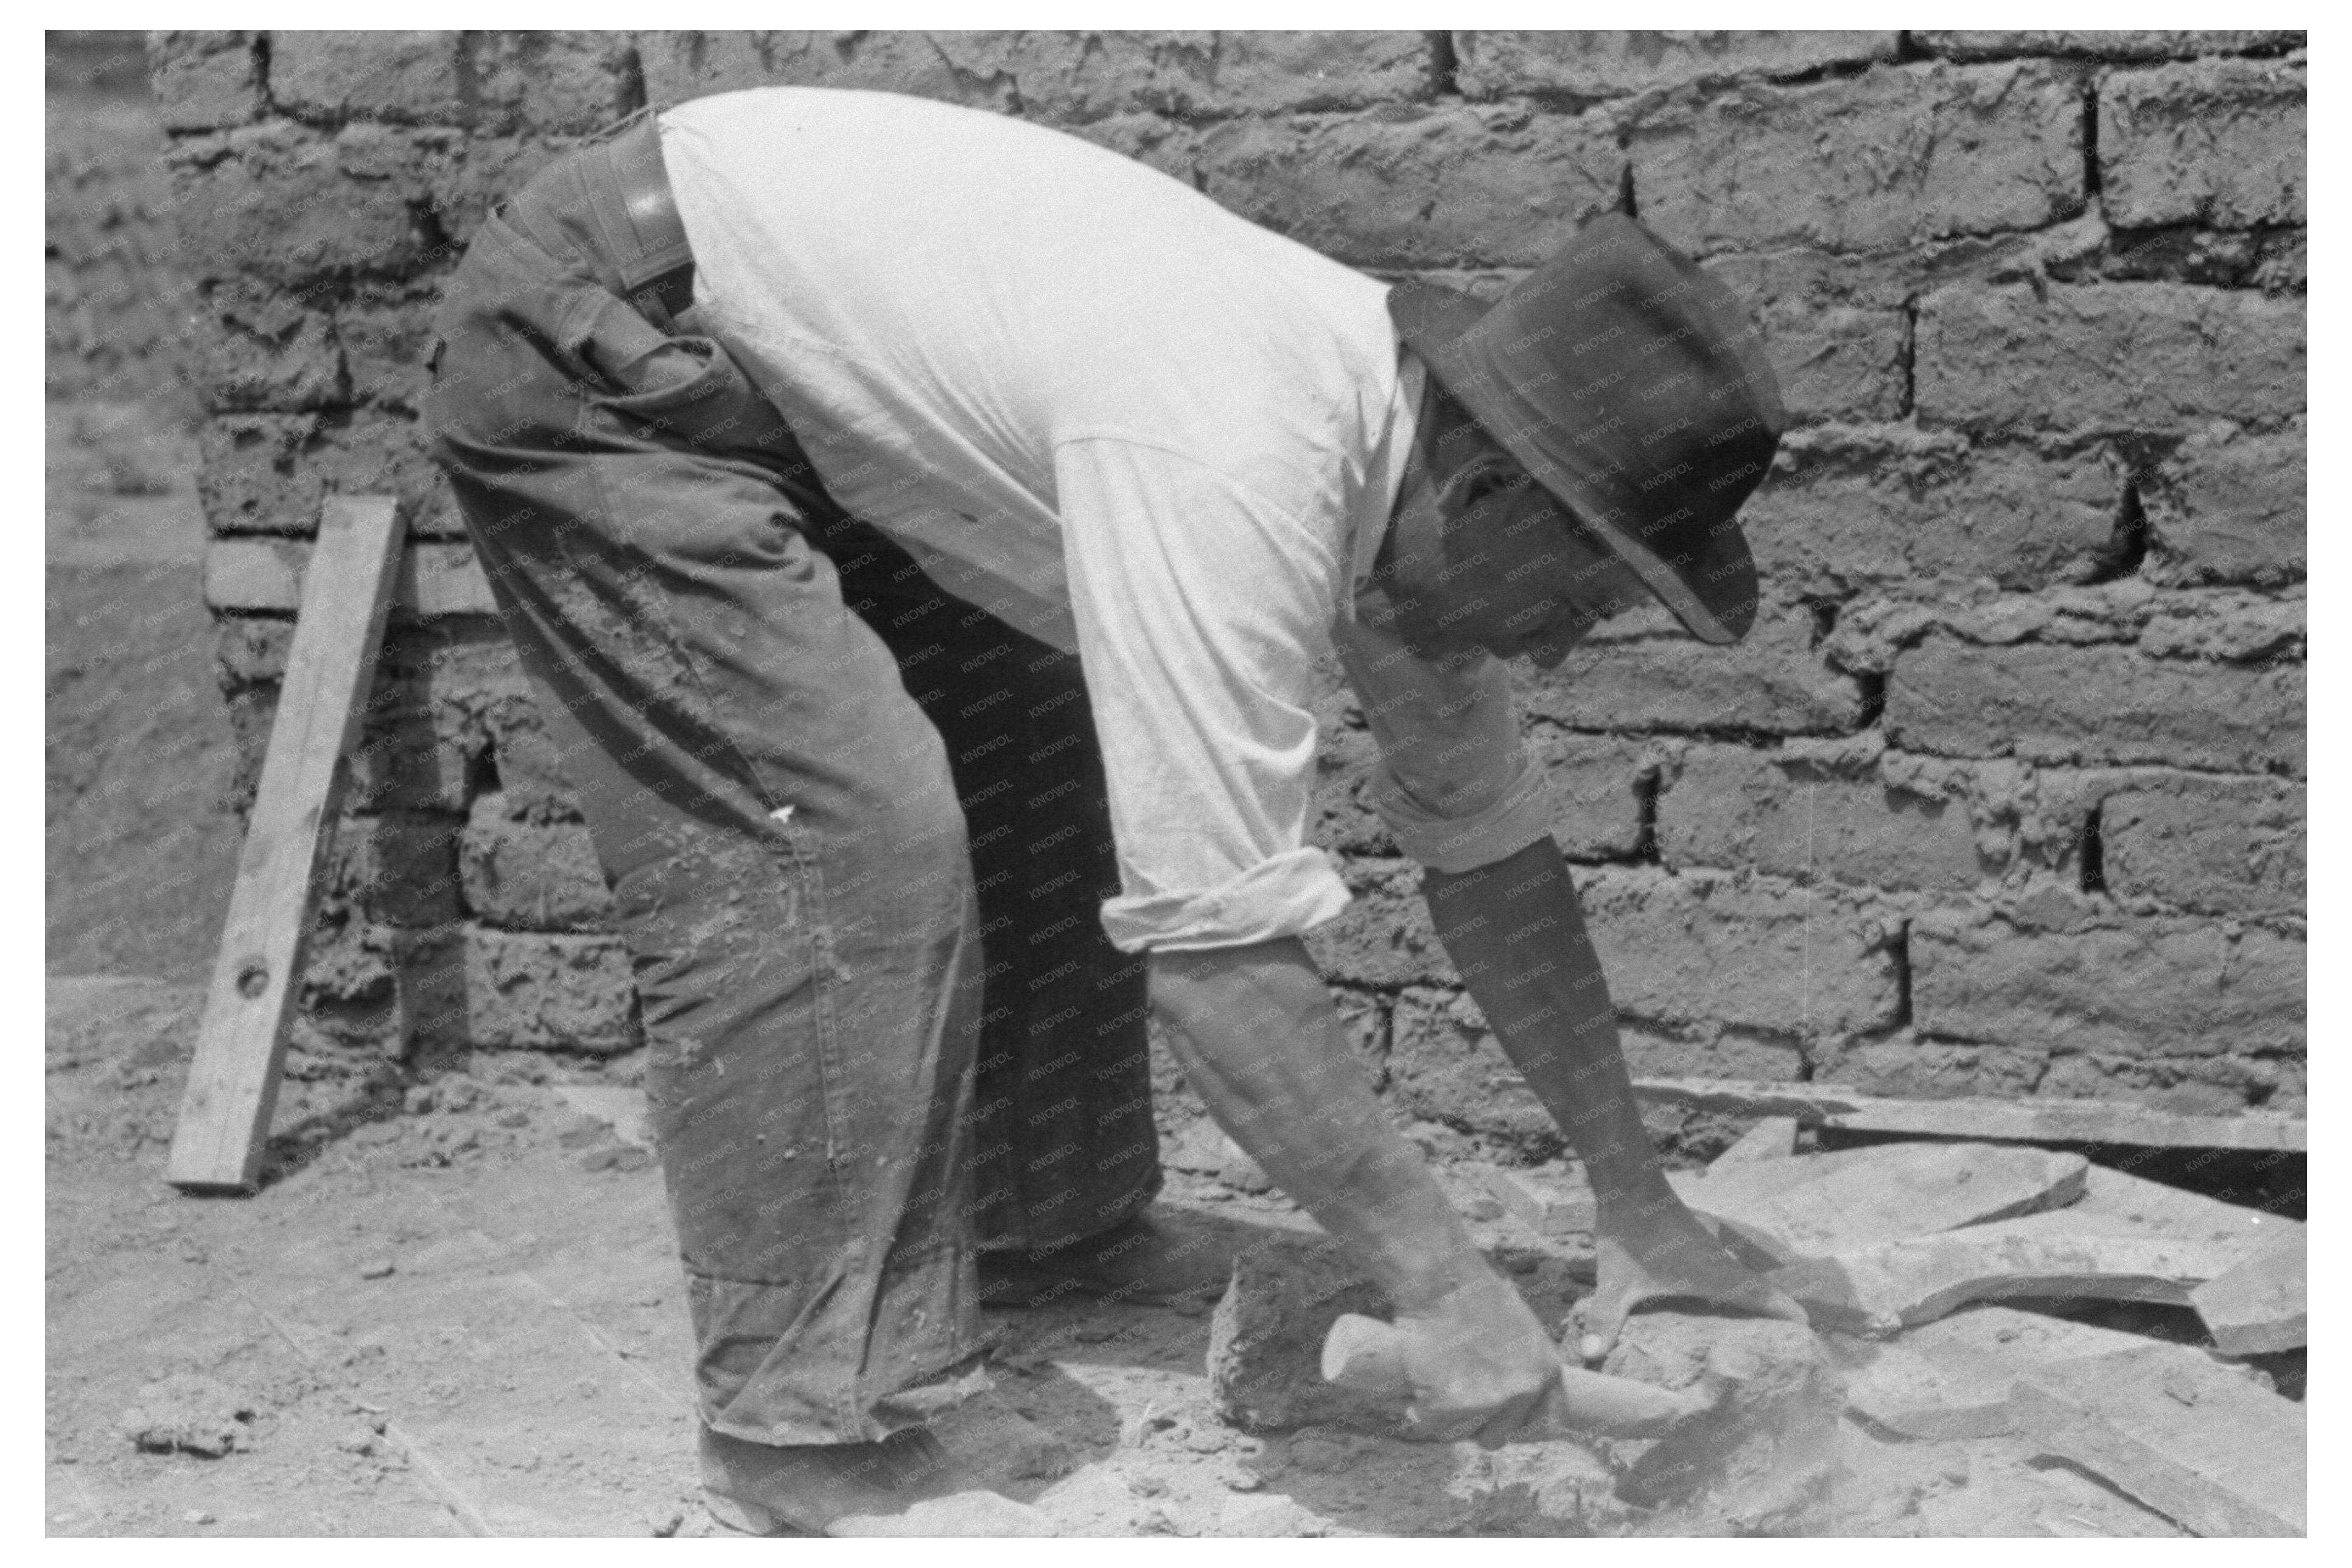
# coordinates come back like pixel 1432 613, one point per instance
pixel 1089 399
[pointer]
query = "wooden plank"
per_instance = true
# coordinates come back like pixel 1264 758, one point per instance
pixel 1881 1289
pixel 2198 1442
pixel 241 1044
pixel 2258 1306
pixel 1997 1120
pixel 264 576
pixel 1773 1137
pixel 1814 1207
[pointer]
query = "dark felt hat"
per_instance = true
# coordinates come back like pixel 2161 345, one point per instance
pixel 1634 389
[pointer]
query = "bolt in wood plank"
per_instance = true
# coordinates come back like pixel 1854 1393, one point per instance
pixel 241 1044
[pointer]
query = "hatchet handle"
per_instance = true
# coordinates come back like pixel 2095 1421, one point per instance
pixel 1367 1355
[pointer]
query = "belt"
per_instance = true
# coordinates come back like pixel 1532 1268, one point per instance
pixel 636 217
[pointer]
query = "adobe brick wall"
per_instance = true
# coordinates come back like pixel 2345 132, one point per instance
pixel 2003 795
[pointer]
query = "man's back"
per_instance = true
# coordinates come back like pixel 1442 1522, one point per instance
pixel 942 301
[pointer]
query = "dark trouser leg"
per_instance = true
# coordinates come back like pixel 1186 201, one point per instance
pixel 778 820
pixel 1066 1146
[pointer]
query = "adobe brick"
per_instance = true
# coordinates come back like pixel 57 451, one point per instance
pixel 2272 260
pixel 2094 704
pixel 426 729
pixel 1087 76
pixel 1265 71
pixel 402 869
pixel 542 992
pixel 530 876
pixel 403 763
pixel 2281 264
pixel 2195 1086
pixel 1445 1066
pixel 250 479
pixel 1433 187
pixel 269 473
pixel 1065 76
pixel 2214 844
pixel 2131 985
pixel 2227 624
pixel 1785 813
pixel 1611 63
pixel 463 191
pixel 1932 1070
pixel 550 82
pixel 1642 672
pixel 1708 947
pixel 1836 361
pixel 2138 44
pixel 531 766
pixel 2228 507
pixel 1853 508
pixel 263 349
pixel 1384 938
pixel 205 82
pixel 386 334
pixel 2106 356
pixel 294 205
pixel 404 76
pixel 349 960
pixel 1836 325
pixel 249 652
pixel 2234 626
pixel 2209 142
pixel 1708 1050
pixel 1593 787
pixel 1897 155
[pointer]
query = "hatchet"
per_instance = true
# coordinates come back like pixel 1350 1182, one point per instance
pixel 1368 1355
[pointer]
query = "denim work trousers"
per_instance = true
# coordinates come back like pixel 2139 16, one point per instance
pixel 856 831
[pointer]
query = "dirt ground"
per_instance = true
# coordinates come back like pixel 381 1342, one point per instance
pixel 455 1308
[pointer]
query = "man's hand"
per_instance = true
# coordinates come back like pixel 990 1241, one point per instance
pixel 1256 1034
pixel 1516 933
pixel 1477 1362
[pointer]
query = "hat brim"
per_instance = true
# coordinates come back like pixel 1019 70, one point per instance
pixel 1433 319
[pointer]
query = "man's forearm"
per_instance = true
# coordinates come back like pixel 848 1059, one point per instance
pixel 1515 932
pixel 1260 1040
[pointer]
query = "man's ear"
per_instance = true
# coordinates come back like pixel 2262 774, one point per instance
pixel 1485 468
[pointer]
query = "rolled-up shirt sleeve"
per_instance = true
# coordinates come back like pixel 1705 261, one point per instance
pixel 1200 607
pixel 1454 784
